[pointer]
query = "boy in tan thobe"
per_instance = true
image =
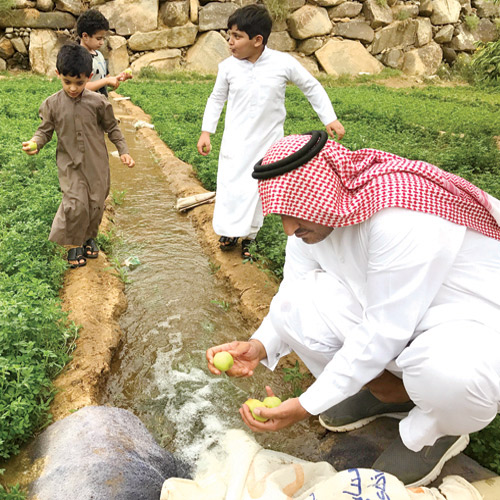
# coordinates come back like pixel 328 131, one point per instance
pixel 80 118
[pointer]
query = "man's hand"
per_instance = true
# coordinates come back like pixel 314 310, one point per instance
pixel 335 128
pixel 204 146
pixel 286 414
pixel 246 357
pixel 127 160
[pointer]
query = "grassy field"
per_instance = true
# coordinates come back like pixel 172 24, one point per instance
pixel 452 127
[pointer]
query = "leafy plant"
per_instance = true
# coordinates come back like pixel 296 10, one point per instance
pixel 296 379
pixel 223 304
pixel 471 22
pixel 118 197
pixel 486 61
pixel 120 271
pixel 278 9
pixel 403 15
pixel 6 5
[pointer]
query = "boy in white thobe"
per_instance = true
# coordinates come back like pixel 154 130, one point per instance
pixel 391 266
pixel 253 82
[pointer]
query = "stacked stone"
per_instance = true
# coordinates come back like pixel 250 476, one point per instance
pixel 335 36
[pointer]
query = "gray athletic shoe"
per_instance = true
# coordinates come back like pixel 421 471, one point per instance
pixel 359 410
pixel 423 467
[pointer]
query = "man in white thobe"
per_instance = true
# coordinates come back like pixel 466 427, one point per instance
pixel 253 82
pixel 391 282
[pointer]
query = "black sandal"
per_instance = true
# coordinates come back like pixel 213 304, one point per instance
pixel 76 254
pixel 90 249
pixel 245 249
pixel 227 243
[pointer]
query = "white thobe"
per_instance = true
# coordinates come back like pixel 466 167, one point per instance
pixel 404 291
pixel 255 114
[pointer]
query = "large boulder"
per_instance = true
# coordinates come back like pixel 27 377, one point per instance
pixel 377 13
pixel 327 3
pixel 445 11
pixel 214 16
pixel 309 21
pixel 310 45
pixel 463 40
pixel 32 18
pixel 182 36
pixel 205 55
pixel 345 9
pixel 424 31
pixel 174 13
pixel 100 453
pixel 76 7
pixel 128 16
pixel 355 30
pixel 347 57
pixel 424 61
pixel 44 5
pixel 308 62
pixel 6 48
pixel 163 60
pixel 398 35
pixel 44 46
pixel 486 31
pixel 445 34
pixel 282 41
pixel 152 40
pixel 486 8
pixel 118 59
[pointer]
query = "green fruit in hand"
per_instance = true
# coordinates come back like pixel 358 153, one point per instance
pixel 272 401
pixel 33 145
pixel 223 361
pixel 255 403
pixel 128 71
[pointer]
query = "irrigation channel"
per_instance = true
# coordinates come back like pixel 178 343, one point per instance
pixel 176 310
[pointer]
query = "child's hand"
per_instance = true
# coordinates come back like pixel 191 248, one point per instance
pixel 30 147
pixel 127 160
pixel 113 81
pixel 335 128
pixel 125 75
pixel 204 145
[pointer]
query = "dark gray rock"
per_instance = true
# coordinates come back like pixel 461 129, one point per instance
pixel 101 453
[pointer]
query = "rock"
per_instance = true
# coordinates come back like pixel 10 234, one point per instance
pixel 118 59
pixel 486 31
pixel 310 45
pixel 356 30
pixel 18 44
pixel 194 6
pixel 44 46
pixel 205 55
pixel 3 65
pixel 445 11
pixel 345 9
pixel 45 5
pixel 112 456
pixel 377 14
pixel 405 11
pixel 32 18
pixel 486 8
pixel 309 21
pixel 308 62
pixel 279 25
pixel 449 55
pixel 282 41
pixel 424 31
pixel 152 40
pixel 164 60
pixel 426 8
pixel 295 4
pixel 393 58
pixel 174 13
pixel 327 3
pixel 214 16
pixel 6 48
pixel 128 16
pixel 462 40
pixel 24 4
pixel 182 36
pixel 398 35
pixel 423 61
pixel 341 57
pixel 445 34
pixel 74 6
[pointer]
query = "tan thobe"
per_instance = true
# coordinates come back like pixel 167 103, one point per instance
pixel 82 160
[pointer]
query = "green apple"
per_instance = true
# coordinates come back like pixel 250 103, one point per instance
pixel 33 145
pixel 272 401
pixel 223 361
pixel 255 403
pixel 128 71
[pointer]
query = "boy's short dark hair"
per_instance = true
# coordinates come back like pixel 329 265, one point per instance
pixel 74 60
pixel 253 20
pixel 90 22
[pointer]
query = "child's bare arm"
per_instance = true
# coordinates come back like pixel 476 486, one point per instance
pixel 109 81
pixel 204 145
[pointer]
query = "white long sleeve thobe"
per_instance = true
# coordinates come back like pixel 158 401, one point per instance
pixel 352 305
pixel 255 114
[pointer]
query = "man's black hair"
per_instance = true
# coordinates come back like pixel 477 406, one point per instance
pixel 74 60
pixel 90 22
pixel 253 20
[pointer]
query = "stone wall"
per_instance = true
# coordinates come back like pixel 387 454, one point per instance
pixel 333 36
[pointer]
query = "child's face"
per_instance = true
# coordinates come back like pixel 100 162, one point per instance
pixel 73 85
pixel 94 42
pixel 243 47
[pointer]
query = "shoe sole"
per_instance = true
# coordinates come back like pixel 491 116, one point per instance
pixel 361 423
pixel 458 446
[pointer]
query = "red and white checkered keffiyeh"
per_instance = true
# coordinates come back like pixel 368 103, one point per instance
pixel 339 187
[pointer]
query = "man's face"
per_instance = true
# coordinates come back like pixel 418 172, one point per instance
pixel 243 47
pixel 94 42
pixel 73 85
pixel 308 232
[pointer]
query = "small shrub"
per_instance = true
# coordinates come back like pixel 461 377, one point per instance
pixel 486 61
pixel 471 22
pixel 277 8
pixel 402 15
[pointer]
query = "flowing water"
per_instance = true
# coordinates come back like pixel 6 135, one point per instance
pixel 176 310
